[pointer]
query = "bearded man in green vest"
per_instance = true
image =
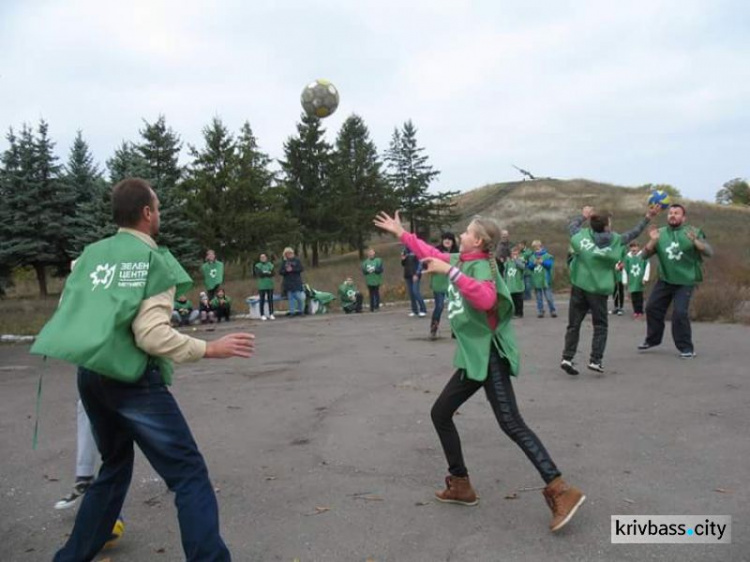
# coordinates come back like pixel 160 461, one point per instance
pixel 594 251
pixel 680 249
pixel 113 321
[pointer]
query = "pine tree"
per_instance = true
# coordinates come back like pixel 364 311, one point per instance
pixel 360 189
pixel 410 176
pixel 160 148
pixel 306 176
pixel 87 218
pixel 31 184
pixel 127 162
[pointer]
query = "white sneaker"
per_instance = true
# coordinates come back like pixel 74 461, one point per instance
pixel 263 318
pixel 412 315
pixel 271 317
pixel 421 314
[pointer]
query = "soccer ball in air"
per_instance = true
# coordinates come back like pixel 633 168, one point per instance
pixel 320 98
pixel 659 197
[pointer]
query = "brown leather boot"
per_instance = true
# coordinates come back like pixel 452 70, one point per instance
pixel 458 490
pixel 564 500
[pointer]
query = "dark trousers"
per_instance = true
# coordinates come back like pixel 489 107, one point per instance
pixel 619 296
pixel 355 306
pixel 656 312
pixel 147 414
pixel 266 294
pixel 374 291
pixel 580 303
pixel 518 303
pixel 222 312
pixel 501 397
pixel 636 298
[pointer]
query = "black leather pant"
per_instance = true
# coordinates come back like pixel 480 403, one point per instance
pixel 499 391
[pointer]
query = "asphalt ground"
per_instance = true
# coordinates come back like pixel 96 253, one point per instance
pixel 321 446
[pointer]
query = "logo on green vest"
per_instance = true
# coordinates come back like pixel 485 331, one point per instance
pixel 674 252
pixel 512 271
pixel 539 268
pixel 455 302
pixel 586 244
pixel 351 294
pixel 103 275
pixel 212 273
pixel 635 270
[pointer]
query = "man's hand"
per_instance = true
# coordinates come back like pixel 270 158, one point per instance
pixel 434 265
pixel 653 211
pixel 390 224
pixel 691 234
pixel 653 234
pixel 232 345
pixel 587 211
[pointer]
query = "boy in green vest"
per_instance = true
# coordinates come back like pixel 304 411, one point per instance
pixel 542 266
pixel 213 274
pixel 480 312
pixel 680 249
pixel 439 283
pixel 350 297
pixel 513 275
pixel 264 271
pixel 113 321
pixel 594 253
pixel 637 271
pixel 372 268
pixel 222 305
pixel 183 313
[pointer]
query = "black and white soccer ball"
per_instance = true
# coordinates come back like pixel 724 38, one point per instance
pixel 320 98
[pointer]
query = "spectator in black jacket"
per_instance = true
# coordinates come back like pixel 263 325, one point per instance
pixel 291 270
pixel 412 274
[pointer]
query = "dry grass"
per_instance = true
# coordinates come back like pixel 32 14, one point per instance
pixel 530 210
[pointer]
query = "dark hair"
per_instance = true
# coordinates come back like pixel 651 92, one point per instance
pixel 678 206
pixel 129 197
pixel 448 236
pixel 633 243
pixel 599 221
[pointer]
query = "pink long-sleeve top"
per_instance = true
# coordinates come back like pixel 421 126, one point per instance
pixel 481 295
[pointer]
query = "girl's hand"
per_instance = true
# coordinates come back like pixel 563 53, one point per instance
pixel 389 224
pixel 434 265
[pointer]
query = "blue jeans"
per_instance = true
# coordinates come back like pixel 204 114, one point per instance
pixel 547 294
pixel 147 414
pixel 527 287
pixel 417 302
pixel 298 298
pixel 439 304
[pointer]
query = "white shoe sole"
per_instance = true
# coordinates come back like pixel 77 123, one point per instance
pixel 564 522
pixel 61 505
pixel 467 504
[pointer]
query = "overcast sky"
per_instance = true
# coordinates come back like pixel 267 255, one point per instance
pixel 645 91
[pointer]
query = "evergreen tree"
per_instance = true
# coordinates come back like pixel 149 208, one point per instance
pixel 410 176
pixel 127 162
pixel 32 218
pixel 87 215
pixel 308 191
pixel 360 189
pixel 160 148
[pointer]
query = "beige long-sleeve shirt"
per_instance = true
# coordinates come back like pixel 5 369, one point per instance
pixel 152 326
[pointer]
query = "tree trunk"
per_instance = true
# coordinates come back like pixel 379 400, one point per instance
pixel 360 246
pixel 314 245
pixel 41 277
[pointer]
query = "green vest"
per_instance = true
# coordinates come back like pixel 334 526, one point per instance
pixel 215 304
pixel 213 274
pixel 473 334
pixel 183 308
pixel 539 279
pixel 680 262
pixel 439 283
pixel 347 294
pixel 635 268
pixel 370 269
pixel 592 268
pixel 264 283
pixel 92 324
pixel 513 277
pixel 526 256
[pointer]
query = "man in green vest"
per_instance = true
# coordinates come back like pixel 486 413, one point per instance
pixel 680 249
pixel 594 251
pixel 113 321
pixel 213 274
pixel 372 268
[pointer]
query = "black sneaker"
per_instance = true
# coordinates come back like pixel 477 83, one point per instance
pixel 596 367
pixel 644 346
pixel 79 488
pixel 687 355
pixel 567 366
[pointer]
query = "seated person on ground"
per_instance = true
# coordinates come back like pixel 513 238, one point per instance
pixel 207 314
pixel 183 313
pixel 351 298
pixel 221 305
